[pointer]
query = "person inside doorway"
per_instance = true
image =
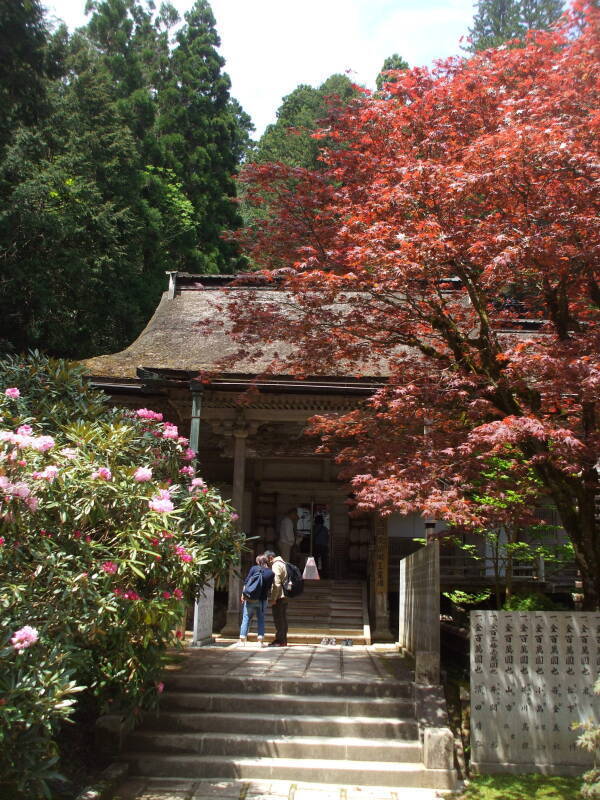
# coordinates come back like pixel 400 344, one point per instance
pixel 321 545
pixel 287 533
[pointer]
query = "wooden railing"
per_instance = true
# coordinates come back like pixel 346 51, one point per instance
pixel 462 569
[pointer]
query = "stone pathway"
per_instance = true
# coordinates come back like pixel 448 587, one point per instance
pixel 168 789
pixel 312 662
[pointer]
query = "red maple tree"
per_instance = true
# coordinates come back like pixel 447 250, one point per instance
pixel 453 234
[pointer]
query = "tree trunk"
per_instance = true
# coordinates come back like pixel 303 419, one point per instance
pixel 587 557
pixel 576 507
pixel 497 572
pixel 508 578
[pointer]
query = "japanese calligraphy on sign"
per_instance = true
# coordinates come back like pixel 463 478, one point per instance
pixel 532 677
pixel 381 556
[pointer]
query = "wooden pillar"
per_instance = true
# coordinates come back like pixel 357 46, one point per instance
pixel 232 625
pixel 379 578
pixel 204 604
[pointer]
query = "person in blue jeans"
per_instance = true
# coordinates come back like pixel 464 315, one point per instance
pixel 258 605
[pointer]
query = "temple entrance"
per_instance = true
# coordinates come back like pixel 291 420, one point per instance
pixel 324 528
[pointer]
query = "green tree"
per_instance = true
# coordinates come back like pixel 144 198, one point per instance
pixel 540 14
pixel 392 62
pixel 26 62
pixel 497 21
pixel 70 224
pixel 200 137
pixel 127 174
pixel 289 139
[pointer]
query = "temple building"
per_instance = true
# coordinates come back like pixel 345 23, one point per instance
pixel 253 447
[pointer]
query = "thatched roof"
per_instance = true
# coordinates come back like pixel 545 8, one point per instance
pixel 174 341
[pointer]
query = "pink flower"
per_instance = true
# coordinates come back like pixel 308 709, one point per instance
pixel 24 638
pixel 68 452
pixel 143 474
pixel 178 594
pixel 166 595
pixel 49 474
pixel 109 567
pixel 145 413
pixel 25 430
pixel 186 471
pixel 235 517
pixel 131 595
pixel 160 687
pixel 183 553
pixel 189 454
pixel 32 503
pixel 197 483
pixel 14 393
pixel 183 441
pixel 162 505
pixel 42 443
pixel 19 489
pixel 2 541
pixel 102 474
pixel 170 432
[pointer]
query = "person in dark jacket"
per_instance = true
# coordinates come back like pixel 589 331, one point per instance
pixel 321 540
pixel 256 606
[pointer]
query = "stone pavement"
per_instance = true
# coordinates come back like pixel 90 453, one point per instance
pixel 168 789
pixel 307 662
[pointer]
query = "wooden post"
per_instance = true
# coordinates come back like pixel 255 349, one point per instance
pixel 204 605
pixel 232 625
pixel 382 631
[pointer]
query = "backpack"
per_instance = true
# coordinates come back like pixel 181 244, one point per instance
pixel 253 589
pixel 294 582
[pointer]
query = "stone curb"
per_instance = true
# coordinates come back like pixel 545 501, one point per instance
pixel 108 782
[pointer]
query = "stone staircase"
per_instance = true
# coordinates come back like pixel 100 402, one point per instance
pixel 326 609
pixel 332 724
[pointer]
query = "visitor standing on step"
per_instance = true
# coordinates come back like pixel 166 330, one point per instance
pixel 277 600
pixel 255 592
pixel 321 539
pixel 287 533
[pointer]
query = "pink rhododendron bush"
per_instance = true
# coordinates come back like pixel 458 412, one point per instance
pixel 106 532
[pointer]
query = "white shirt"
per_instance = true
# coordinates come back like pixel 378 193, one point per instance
pixel 286 531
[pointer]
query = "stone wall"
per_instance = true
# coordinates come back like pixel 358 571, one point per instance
pixel 532 677
pixel 419 610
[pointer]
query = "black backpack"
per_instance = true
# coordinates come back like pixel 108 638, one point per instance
pixel 253 589
pixel 294 582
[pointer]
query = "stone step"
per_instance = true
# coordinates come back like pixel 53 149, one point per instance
pixel 312 638
pixel 325 602
pixel 315 632
pixel 365 773
pixel 298 628
pixel 285 706
pixel 311 690
pixel 315 637
pixel 321 618
pixel 282 746
pixel 269 724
